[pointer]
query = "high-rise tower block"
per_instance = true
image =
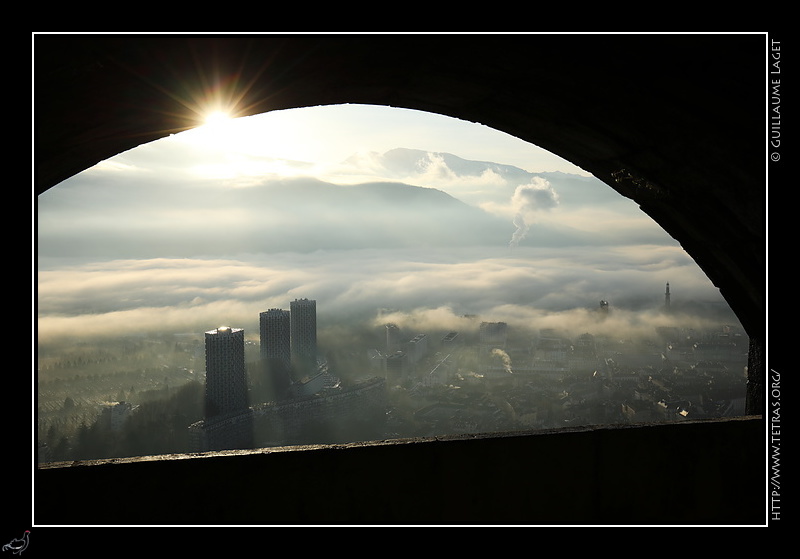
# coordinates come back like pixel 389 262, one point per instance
pixel 304 333
pixel 226 374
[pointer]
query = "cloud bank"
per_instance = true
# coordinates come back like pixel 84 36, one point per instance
pixel 533 288
pixel 140 245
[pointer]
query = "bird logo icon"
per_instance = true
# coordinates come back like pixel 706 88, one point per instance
pixel 18 545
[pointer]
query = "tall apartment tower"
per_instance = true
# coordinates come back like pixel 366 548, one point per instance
pixel 226 375
pixel 274 326
pixel 303 323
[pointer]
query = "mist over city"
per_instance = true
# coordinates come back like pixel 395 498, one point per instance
pixel 137 258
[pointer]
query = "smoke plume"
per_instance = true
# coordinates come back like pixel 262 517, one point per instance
pixel 504 357
pixel 527 199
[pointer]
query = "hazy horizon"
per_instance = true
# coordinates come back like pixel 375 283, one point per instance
pixel 207 228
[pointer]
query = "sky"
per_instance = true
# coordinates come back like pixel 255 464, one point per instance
pixel 214 225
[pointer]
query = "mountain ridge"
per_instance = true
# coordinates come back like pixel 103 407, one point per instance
pixel 284 214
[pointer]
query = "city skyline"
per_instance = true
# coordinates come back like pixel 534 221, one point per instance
pixel 683 373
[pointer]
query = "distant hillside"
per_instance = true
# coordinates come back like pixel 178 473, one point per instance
pixel 309 214
pixel 160 217
pixel 405 161
pixel 573 190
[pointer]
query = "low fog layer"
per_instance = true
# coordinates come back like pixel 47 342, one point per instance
pixel 132 246
pixel 195 294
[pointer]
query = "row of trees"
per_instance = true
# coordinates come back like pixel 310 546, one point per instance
pixel 156 426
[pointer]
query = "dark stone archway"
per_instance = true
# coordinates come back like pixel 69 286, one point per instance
pixel 673 122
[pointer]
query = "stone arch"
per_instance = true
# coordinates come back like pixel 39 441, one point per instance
pixel 648 115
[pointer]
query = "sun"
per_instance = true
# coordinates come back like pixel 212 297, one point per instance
pixel 214 130
pixel 216 117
